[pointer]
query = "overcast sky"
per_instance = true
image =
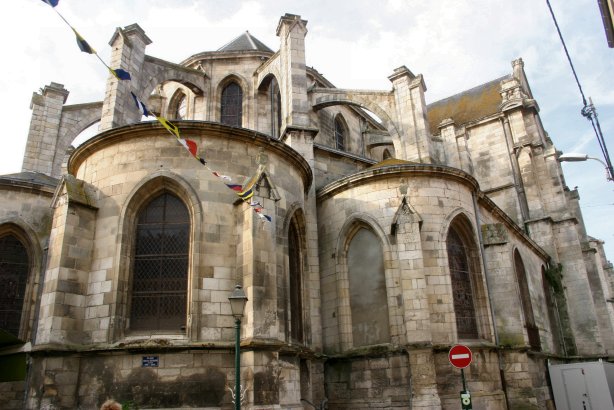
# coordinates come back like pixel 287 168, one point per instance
pixel 455 44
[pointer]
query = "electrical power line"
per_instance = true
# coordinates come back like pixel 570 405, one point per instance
pixel 588 110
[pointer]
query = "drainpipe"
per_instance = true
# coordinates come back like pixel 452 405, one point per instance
pixel 518 183
pixel 490 301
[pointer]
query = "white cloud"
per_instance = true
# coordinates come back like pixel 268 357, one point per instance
pixel 455 44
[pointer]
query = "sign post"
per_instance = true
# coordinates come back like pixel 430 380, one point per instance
pixel 460 356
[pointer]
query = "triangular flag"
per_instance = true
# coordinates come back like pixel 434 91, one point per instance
pixel 172 128
pixel 140 105
pixel 190 146
pixel 246 194
pixel 83 45
pixel 234 187
pixel 120 74
pixel 224 177
pixel 52 3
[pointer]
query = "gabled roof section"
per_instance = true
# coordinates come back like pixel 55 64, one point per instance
pixel 245 42
pixel 31 177
pixel 470 105
pixel 76 190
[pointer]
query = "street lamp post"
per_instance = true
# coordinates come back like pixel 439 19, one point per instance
pixel 575 157
pixel 237 301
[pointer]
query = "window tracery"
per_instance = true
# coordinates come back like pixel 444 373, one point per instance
pixel 14 268
pixel 160 269
pixel 232 105
pixel 462 285
pixel 340 133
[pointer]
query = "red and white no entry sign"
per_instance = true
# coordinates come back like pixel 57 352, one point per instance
pixel 460 356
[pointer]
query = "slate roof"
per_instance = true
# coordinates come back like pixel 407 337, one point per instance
pixel 245 42
pixel 29 177
pixel 470 105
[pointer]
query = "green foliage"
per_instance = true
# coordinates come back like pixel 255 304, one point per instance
pixel 553 276
pixel 129 405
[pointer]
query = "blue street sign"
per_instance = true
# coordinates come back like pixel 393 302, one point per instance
pixel 150 361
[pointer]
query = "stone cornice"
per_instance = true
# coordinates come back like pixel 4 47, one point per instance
pixel 190 129
pixel 220 55
pixel 434 171
pixel 371 174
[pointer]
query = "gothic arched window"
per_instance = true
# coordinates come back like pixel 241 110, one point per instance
pixel 462 285
pixel 180 107
pixel 295 283
pixel 232 105
pixel 553 317
pixel 14 268
pixel 340 132
pixel 276 109
pixel 525 299
pixel 368 296
pixel 160 273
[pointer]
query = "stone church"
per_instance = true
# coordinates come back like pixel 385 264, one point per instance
pixel 398 229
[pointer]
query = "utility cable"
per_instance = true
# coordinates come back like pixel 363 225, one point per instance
pixel 588 110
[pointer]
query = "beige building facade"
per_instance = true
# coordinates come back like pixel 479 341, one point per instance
pixel 398 229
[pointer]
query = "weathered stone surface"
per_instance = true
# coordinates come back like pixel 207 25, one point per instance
pixel 468 187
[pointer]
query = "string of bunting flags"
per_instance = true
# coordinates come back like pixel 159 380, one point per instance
pixel 85 46
pixel 245 191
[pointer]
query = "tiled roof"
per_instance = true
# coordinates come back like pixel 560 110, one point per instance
pixel 245 42
pixel 470 105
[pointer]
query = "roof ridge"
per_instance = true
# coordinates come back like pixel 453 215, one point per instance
pixel 472 89
pixel 251 40
pixel 245 42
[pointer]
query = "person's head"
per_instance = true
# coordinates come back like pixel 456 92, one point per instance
pixel 111 405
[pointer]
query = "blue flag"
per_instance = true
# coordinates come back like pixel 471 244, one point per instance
pixel 120 74
pixel 83 45
pixel 140 105
pixel 52 3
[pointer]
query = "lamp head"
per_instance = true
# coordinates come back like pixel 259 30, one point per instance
pixel 572 157
pixel 237 301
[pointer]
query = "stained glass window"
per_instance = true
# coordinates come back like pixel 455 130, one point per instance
pixel 462 288
pixel 14 267
pixel 296 305
pixel 232 105
pixel 160 275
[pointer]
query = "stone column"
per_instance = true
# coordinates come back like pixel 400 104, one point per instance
pixel 579 297
pixel 302 141
pixel 291 31
pixel 406 233
pixel 411 116
pixel 128 54
pixel 64 297
pixel 44 126
pixel 601 294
